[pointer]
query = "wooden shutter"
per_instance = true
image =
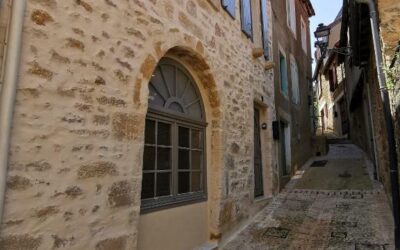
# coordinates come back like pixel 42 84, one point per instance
pixel 295 83
pixel 293 15
pixel 265 27
pixel 229 6
pixel 303 35
pixel 283 72
pixel 246 18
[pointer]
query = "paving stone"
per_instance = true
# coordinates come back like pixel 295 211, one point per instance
pixel 316 218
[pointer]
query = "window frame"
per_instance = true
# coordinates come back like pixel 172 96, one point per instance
pixel 175 199
pixel 163 113
pixel 242 24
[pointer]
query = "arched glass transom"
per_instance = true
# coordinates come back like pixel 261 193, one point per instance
pixel 173 90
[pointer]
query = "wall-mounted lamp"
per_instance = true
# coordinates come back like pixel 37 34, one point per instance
pixel 322 35
pixel 264 126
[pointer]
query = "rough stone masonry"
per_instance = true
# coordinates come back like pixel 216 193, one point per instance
pixel 74 176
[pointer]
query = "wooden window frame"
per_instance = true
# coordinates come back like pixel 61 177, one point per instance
pixel 176 199
pixel 164 112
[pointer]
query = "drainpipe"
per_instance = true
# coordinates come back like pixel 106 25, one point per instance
pixel 8 92
pixel 388 118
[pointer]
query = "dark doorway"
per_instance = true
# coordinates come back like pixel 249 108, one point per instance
pixel 258 173
pixel 285 148
pixel 344 117
pixel 322 121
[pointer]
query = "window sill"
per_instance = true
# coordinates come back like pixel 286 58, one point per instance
pixel 284 95
pixel 154 205
pixel 262 199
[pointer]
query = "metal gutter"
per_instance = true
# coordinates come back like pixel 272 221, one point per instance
pixel 394 178
pixel 8 94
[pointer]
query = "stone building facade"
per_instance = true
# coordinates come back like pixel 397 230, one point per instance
pixel 389 22
pixel 77 144
pixel 292 57
pixel 367 122
pixel 329 77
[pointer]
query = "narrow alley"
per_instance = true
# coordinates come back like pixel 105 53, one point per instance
pixel 332 203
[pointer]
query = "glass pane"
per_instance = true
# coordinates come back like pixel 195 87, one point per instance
pixel 149 157
pixel 184 137
pixel 184 161
pixel 155 98
pixel 196 159
pixel 183 183
pixel 148 186
pixel 163 184
pixel 182 82
pixel 196 139
pixel 196 180
pixel 176 107
pixel 150 137
pixel 163 158
pixel 164 134
pixel 169 76
pixel 195 111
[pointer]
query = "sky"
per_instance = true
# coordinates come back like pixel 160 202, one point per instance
pixel 325 12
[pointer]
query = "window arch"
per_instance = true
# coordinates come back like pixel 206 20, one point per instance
pixel 174 150
pixel 173 90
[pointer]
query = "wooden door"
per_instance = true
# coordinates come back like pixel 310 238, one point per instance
pixel 258 173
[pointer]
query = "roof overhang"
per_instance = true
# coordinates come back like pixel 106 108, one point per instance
pixel 309 7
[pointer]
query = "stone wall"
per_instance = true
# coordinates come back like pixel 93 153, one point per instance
pixel 291 45
pixel 74 176
pixel 389 24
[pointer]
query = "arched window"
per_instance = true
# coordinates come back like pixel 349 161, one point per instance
pixel 174 150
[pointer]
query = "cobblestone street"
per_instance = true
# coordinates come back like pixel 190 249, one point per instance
pixel 334 205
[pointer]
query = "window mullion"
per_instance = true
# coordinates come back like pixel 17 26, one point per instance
pixel 156 159
pixel 190 160
pixel 203 175
pixel 175 156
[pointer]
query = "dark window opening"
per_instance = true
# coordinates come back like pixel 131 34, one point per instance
pixel 332 80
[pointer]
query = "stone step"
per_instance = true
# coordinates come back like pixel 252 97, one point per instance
pixel 207 246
